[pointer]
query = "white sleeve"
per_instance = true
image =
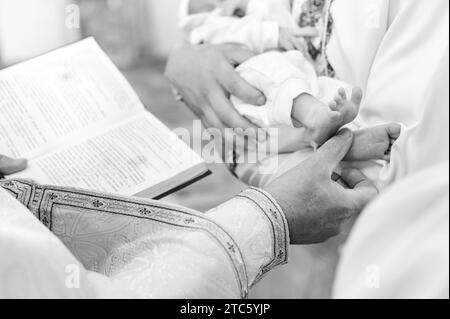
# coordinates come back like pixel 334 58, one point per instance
pixel 34 263
pixel 128 247
pixel 282 77
pixel 258 225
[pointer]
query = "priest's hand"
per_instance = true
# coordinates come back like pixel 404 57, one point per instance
pixel 315 205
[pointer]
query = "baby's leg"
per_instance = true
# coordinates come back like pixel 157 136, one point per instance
pixel 323 121
pixel 374 143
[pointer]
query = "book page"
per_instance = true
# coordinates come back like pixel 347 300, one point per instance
pixel 127 159
pixel 49 100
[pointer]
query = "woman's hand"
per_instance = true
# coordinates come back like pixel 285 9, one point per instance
pixel 10 166
pixel 205 77
pixel 315 206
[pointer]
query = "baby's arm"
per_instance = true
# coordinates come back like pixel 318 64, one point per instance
pixel 250 31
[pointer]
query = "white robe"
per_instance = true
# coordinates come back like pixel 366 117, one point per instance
pixel 397 51
pixel 400 246
pixel 104 246
pixel 393 49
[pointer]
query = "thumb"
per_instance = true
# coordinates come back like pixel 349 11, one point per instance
pixel 334 151
pixel 10 166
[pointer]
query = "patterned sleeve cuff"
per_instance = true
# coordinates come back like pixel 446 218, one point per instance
pixel 267 206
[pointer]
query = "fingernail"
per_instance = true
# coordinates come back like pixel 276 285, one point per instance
pixel 346 133
pixel 261 100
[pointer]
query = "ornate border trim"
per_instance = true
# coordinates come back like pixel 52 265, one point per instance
pixel 280 230
pixel 23 191
pixel 42 199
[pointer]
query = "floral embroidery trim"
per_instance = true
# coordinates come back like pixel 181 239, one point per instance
pixel 316 14
pixel 280 231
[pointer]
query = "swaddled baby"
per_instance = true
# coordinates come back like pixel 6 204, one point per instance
pixel 299 101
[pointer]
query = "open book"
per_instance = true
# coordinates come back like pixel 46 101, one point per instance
pixel 80 124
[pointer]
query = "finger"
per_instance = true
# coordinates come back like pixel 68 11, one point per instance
pixel 306 32
pixel 354 178
pixel 234 84
pixel 10 166
pixel 237 54
pixel 362 190
pixel 228 114
pixel 289 45
pixel 194 105
pixel 304 48
pixel 334 151
pixel 210 119
pixel 216 130
pixel 297 44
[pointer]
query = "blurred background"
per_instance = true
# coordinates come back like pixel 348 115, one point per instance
pixel 138 35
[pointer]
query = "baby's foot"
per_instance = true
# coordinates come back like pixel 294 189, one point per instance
pixel 348 108
pixel 374 143
pixel 321 121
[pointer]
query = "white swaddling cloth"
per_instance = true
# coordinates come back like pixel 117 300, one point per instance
pixel 258 29
pixel 282 77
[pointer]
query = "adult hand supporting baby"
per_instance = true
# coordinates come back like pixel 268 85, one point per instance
pixel 205 77
pixel 10 166
pixel 315 206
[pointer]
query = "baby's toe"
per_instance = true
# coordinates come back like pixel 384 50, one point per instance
pixel 357 95
pixel 333 105
pixel 338 99
pixel 342 93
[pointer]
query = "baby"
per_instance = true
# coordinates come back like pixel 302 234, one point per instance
pixel 261 25
pixel 302 104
